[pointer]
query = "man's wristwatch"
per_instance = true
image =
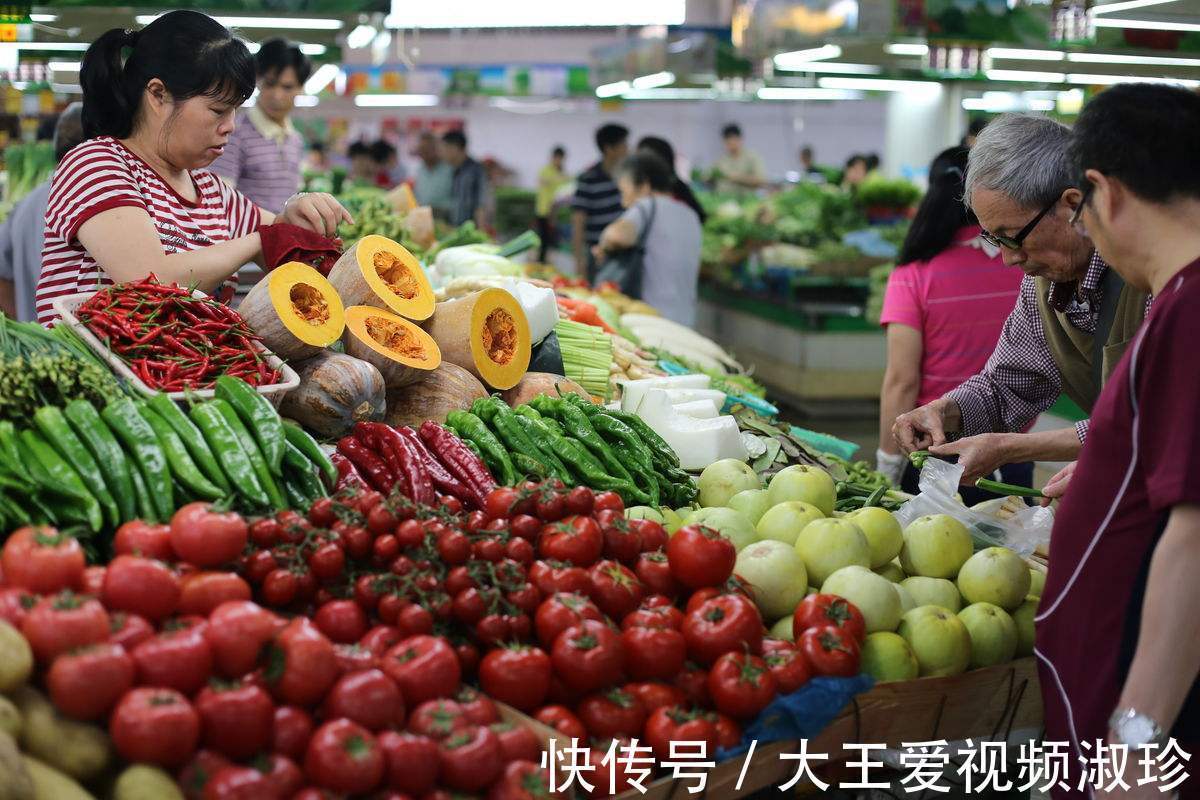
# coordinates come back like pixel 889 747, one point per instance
pixel 1134 729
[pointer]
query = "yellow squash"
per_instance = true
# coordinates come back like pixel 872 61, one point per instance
pixel 378 272
pixel 402 352
pixel 296 311
pixel 486 333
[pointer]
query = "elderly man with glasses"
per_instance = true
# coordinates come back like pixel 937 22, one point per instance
pixel 1073 319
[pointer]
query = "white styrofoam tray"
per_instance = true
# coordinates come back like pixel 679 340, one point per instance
pixel 66 307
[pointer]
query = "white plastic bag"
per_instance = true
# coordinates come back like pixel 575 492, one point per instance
pixel 1022 532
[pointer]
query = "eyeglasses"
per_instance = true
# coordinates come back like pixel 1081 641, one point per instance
pixel 1083 201
pixel 1017 242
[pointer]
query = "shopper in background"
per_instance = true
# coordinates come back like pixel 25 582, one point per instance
pixel 551 178
pixel 1073 319
pixel 872 163
pixel 974 127
pixel 671 260
pixel 23 232
pixel 855 172
pixel 469 186
pixel 597 200
pixel 433 184
pixel 943 310
pixel 809 170
pixel 159 104
pixel 388 172
pixel 363 169
pixel 317 158
pixel 740 169
pixel 1117 636
pixel 263 157
pixel 680 189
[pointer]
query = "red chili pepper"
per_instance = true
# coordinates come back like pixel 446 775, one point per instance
pixel 367 463
pixel 347 474
pixel 443 481
pixel 403 459
pixel 459 460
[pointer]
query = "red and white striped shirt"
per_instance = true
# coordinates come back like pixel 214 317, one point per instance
pixel 102 174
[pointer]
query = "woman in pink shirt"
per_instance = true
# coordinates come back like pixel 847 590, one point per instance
pixel 943 311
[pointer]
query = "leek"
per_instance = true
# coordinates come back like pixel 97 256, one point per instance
pixel 587 355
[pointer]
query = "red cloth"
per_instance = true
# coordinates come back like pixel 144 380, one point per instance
pixel 1141 459
pixel 283 242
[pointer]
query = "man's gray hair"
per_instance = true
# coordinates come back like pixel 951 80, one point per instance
pixel 1023 156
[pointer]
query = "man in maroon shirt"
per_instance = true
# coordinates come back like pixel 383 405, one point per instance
pixel 1118 628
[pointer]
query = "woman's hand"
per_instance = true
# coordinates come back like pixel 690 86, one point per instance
pixel 316 211
pixel 1057 486
pixel 598 253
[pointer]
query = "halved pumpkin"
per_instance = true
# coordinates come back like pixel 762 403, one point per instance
pixel 296 311
pixel 486 333
pixel 402 352
pixel 376 271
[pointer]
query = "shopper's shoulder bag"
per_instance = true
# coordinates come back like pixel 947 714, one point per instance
pixel 626 268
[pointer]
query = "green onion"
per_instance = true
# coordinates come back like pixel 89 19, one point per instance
pixel 587 356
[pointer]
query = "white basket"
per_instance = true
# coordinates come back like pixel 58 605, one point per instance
pixel 66 307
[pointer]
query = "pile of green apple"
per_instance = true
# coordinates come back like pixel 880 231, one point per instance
pixel 933 606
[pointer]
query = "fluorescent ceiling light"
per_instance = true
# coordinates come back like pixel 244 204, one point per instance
pixel 1021 54
pixel 325 75
pixel 394 100
pixel 277 23
pixel 535 14
pixel 1109 8
pixel 880 85
pixel 1146 24
pixel 684 94
pixel 361 36
pixel 65 66
pixel 306 101
pixel 75 47
pixel 43 17
pixel 1088 79
pixel 307 49
pixel 839 68
pixel 527 106
pixel 905 49
pixel 613 89
pixel 807 93
pixel 787 60
pixel 1000 102
pixel 1116 58
pixel 1022 75
pixel 654 81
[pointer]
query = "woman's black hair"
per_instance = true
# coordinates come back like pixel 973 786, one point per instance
pixel 359 148
pixel 645 168
pixel 276 55
pixel 381 151
pixel 942 212
pixel 191 53
pixel 679 188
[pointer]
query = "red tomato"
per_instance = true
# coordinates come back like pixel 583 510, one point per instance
pixel 656 695
pixel 693 682
pixel 412 762
pixel 516 742
pixel 179 659
pixel 380 638
pixel 615 589
pixel 236 719
pixel 478 708
pixel 343 756
pixel 438 719
pixel 662 617
pixel 138 538
pixel 236 783
pixel 741 685
pixel 353 658
pixel 237 632
pixel 575 540
pixel 155 726
pixel 700 556
pixel 563 720
pixel 588 656
pixel 610 777
pixel 415 619
pixel 654 535
pixel 622 541
pixel 199 772
pixel 721 625
pixel 93 580
pixel 470 760
pixel 771 644
pixel 142 586
pixel 280 587
pixel 42 560
pixel 302 664
pixel 612 714
pixel 789 668
pixel 830 651
pixel 608 501
pixel 129 630
pixel 85 683
pixel 523 779
pixel 205 537
pixel 517 675
pixel 525 597
pixel 62 622
pixel 202 592
pixel 425 667
pixel 15 604
pixel 654 653
pixel 580 501
pixel 520 550
pixel 525 526
pixel 343 621
pixel 729 733
pixel 368 697
pixel 281 775
pixel 675 724
pixel 327 562
pixel 559 612
pixel 290 731
pixel 499 503
pixel 653 570
pixel 551 577
pixel 265 532
pixel 820 610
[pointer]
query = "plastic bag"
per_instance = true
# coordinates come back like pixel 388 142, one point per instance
pixel 1022 532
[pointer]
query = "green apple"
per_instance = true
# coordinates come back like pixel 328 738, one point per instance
pixel 993 634
pixel 1023 616
pixel 882 531
pixel 872 594
pixel 827 545
pixel 645 512
pixel 891 571
pixel 801 482
pixel 1037 582
pixel 723 479
pixel 933 592
pixel 784 522
pixel 994 575
pixel 751 502
pixel 732 524
pixel 907 603
pixel 886 656
pixel 671 520
pixel 782 629
pixel 938 639
pixel 935 546
pixel 776 575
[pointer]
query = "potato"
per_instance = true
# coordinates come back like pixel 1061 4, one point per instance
pixel 80 750
pixel 50 784
pixel 15 783
pixel 142 782
pixel 16 659
pixel 10 718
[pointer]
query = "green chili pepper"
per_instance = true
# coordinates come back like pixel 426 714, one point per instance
pixel 107 452
pixel 919 457
pixel 261 469
pixel 663 454
pixel 227 447
pixel 580 427
pixel 301 472
pixel 192 439
pixel 299 438
pixel 1007 488
pixel 53 473
pixel 588 469
pixel 553 463
pixel 258 415
pixel 528 467
pixel 183 468
pixel 140 442
pixel 470 427
pixel 538 461
pixel 295 497
pixel 145 507
pixel 53 426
